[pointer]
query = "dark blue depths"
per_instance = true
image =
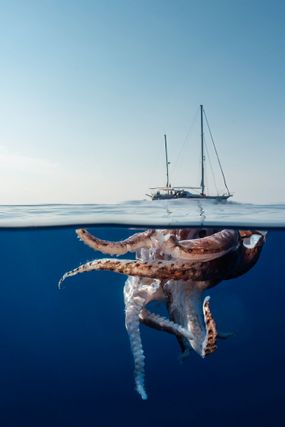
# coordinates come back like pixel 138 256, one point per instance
pixel 65 358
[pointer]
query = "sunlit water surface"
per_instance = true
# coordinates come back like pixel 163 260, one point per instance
pixel 64 355
pixel 171 213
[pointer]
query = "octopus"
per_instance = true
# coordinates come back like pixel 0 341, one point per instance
pixel 175 267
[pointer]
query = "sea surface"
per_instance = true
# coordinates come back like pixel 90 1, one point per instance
pixel 65 357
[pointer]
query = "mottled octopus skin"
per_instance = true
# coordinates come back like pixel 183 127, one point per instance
pixel 175 267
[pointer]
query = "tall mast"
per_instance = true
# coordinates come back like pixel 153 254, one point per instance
pixel 202 155
pixel 167 162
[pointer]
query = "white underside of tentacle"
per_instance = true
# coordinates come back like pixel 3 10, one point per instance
pixel 137 292
pixel 187 310
pixel 132 326
pixel 164 323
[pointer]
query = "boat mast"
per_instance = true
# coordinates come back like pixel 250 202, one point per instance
pixel 167 162
pixel 202 155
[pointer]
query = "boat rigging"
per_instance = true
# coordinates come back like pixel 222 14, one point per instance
pixel 182 192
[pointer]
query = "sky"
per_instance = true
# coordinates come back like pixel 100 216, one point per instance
pixel 89 88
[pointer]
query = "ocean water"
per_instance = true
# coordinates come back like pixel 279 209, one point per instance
pixel 65 357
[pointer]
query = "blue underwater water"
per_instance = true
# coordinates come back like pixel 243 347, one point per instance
pixel 65 358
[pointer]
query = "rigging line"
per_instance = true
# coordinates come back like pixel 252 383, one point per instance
pixel 211 166
pixel 174 163
pixel 215 148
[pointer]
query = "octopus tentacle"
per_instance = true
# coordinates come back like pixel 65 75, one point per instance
pixel 152 269
pixel 134 303
pixel 162 323
pixel 209 344
pixel 132 326
pixel 187 309
pixel 202 249
pixel 131 244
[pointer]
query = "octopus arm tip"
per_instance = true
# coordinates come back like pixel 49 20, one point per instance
pixel 62 279
pixel 59 285
pixel 140 389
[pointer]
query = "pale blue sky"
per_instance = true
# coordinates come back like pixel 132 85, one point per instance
pixel 88 88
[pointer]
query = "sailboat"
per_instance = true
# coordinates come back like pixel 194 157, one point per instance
pixel 169 192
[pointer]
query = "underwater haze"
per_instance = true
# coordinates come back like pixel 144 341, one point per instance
pixel 65 356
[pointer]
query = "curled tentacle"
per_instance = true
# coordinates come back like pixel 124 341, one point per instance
pixel 131 244
pixel 203 249
pixel 189 310
pixel 209 344
pixel 199 249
